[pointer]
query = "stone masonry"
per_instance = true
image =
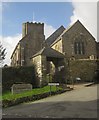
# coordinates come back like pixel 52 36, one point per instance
pixel 30 44
pixel 73 43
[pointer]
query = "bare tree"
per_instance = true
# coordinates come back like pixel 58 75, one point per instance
pixel 2 54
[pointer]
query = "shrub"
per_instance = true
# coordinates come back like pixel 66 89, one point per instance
pixel 12 75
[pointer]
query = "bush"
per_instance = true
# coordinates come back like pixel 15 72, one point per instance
pixel 12 75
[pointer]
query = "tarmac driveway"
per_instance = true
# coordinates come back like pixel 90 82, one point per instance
pixel 79 103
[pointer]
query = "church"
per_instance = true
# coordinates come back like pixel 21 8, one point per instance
pixel 65 45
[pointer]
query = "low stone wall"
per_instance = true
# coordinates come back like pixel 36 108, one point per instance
pixel 18 88
pixel 13 75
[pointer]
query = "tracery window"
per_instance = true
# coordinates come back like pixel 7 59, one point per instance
pixel 79 47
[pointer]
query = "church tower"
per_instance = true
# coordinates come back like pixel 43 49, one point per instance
pixel 31 42
pixel 33 37
pixel 37 28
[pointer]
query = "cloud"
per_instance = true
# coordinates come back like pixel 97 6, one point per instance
pixel 10 42
pixel 48 30
pixel 0 16
pixel 86 12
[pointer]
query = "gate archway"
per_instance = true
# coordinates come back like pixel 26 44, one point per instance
pixel 53 61
pixel 56 69
pixel 44 58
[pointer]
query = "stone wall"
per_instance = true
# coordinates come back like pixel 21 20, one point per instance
pixel 15 59
pixel 30 44
pixel 19 88
pixel 84 69
pixel 78 31
pixel 41 68
pixel 98 50
pixel 32 27
pixel 38 65
pixel 58 46
pixel 44 70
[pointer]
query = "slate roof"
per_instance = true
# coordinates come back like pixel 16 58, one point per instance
pixel 49 52
pixel 51 40
pixel 55 35
pixel 59 37
pixel 66 30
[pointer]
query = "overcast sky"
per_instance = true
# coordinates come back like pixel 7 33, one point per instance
pixel 52 14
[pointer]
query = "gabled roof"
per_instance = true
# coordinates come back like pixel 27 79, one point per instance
pixel 55 35
pixel 19 43
pixel 66 30
pixel 49 52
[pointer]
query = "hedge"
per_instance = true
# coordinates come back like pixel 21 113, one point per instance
pixel 13 75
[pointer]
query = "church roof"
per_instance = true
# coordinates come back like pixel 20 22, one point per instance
pixel 49 52
pixel 55 35
pixel 58 38
pixel 66 30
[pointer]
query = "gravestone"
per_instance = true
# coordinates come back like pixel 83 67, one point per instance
pixel 18 88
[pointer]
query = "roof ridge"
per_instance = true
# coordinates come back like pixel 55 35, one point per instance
pixel 55 31
pixel 68 28
pixel 54 35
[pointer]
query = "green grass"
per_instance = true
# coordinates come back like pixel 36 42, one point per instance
pixel 0 97
pixel 10 96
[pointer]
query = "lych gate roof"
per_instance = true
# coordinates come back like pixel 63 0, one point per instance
pixel 49 52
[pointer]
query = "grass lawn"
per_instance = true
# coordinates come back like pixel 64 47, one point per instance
pixel 10 96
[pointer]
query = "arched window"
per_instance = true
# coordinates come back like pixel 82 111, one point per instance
pixel 79 47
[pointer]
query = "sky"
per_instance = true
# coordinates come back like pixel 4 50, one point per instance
pixel 52 14
pixel 16 13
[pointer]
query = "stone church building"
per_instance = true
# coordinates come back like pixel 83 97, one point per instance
pixel 54 53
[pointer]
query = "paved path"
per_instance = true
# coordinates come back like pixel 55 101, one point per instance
pixel 79 103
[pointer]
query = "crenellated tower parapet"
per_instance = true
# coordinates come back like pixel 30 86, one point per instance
pixel 31 27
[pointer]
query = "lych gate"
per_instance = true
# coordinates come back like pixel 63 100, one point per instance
pixel 54 67
pixel 52 62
